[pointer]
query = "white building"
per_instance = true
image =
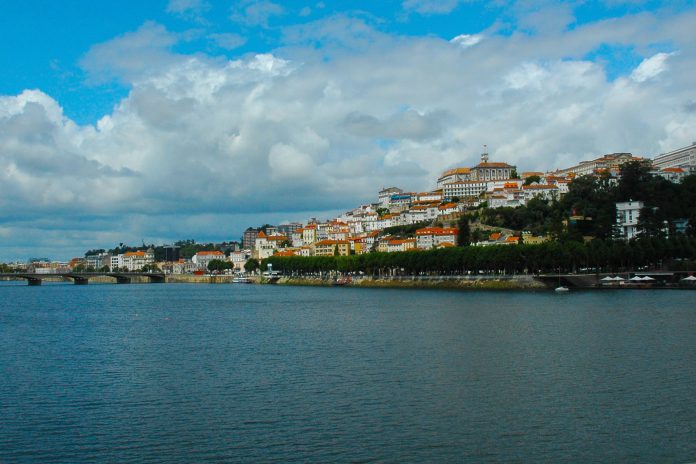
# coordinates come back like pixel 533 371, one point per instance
pixel 262 247
pixel 202 258
pixel 385 195
pixel 430 237
pixel 116 262
pixel 541 191
pixel 610 163
pixel 239 259
pixel 627 215
pixel 678 158
pixel 464 189
pixel 453 175
pixel 135 260
pixel 673 174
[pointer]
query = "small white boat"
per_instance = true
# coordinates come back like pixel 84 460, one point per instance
pixel 562 289
pixel 241 280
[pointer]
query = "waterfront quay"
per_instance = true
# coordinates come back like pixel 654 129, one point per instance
pixel 604 281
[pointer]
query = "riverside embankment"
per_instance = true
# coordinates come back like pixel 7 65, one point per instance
pixel 452 282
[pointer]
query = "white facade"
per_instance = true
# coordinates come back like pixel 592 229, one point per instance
pixel 464 189
pixel 385 195
pixel 430 237
pixel 606 162
pixel 239 259
pixel 135 260
pixel 454 175
pixel 203 258
pixel 627 215
pixel 116 262
pixel 678 158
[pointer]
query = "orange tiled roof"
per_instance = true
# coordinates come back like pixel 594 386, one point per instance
pixel 493 165
pixel 451 172
pixel 130 254
pixel 401 241
pixel 332 242
pixel 437 231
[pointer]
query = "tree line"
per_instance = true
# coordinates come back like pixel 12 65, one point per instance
pixel 599 255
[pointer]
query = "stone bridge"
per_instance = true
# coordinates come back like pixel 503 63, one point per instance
pixel 82 278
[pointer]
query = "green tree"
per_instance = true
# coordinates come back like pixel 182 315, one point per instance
pixel 150 268
pixel 5 268
pixel 532 179
pixel 251 265
pixel 464 233
pixel 219 265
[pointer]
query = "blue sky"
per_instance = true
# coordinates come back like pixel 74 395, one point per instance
pixel 128 121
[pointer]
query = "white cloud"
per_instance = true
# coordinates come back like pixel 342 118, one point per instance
pixel 255 12
pixel 131 55
pixel 428 7
pixel 287 161
pixel 188 8
pixel 651 67
pixel 467 40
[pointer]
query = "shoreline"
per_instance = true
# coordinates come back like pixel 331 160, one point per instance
pixel 481 282
pixel 476 283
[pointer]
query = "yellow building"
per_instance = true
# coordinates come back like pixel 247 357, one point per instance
pixel 331 247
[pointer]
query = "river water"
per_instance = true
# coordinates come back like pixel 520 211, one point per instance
pixel 246 373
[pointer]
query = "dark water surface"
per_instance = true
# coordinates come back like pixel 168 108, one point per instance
pixel 243 373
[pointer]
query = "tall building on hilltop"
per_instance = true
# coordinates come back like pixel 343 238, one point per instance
pixel 609 163
pixel 471 182
pixel 680 158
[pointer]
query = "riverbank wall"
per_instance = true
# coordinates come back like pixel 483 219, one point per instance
pixel 442 282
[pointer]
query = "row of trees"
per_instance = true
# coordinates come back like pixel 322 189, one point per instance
pixel 85 268
pixel 549 257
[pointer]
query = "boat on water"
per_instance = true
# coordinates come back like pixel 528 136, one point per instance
pixel 561 289
pixel 241 280
pixel 343 281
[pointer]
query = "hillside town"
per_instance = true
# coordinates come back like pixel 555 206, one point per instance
pixel 400 220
